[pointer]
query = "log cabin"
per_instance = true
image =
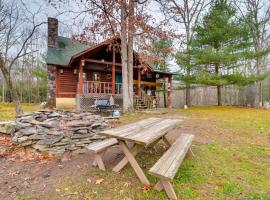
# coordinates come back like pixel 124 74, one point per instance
pixel 79 73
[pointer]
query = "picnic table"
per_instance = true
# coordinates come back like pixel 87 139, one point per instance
pixel 142 134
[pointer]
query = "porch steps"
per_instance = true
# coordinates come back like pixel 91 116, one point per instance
pixel 140 103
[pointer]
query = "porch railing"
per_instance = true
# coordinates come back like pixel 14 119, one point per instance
pixel 96 87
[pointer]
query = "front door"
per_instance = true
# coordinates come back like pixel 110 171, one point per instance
pixel 118 80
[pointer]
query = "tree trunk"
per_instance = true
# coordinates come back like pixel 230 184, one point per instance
pixel 258 86
pixel 13 92
pixel 3 89
pixel 188 35
pixel 124 59
pixel 188 98
pixel 130 52
pixel 219 95
pixel 218 86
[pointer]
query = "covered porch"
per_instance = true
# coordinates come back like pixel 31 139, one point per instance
pixel 97 74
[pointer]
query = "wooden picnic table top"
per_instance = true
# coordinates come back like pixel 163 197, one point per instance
pixel 143 132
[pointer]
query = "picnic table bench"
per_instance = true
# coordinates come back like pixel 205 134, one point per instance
pixel 167 166
pixel 142 134
pixel 99 148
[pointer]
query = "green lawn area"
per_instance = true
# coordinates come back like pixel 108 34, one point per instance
pixel 7 111
pixel 232 160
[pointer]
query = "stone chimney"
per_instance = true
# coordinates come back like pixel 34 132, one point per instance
pixel 52 31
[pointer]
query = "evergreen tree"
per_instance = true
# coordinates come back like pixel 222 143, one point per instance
pixel 221 48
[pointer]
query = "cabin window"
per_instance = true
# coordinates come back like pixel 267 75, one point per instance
pixel 96 76
pixel 84 76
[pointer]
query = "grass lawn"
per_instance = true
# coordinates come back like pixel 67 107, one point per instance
pixel 232 160
pixel 7 111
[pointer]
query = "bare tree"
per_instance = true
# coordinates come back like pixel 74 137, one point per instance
pixel 257 15
pixel 186 13
pixel 18 26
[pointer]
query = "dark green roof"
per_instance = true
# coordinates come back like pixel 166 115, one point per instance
pixel 65 49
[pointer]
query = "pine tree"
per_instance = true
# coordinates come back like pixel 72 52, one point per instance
pixel 221 48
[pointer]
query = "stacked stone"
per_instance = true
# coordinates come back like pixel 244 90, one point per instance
pixel 55 131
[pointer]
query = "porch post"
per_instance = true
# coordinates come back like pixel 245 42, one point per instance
pixel 170 87
pixel 113 71
pixel 81 76
pixel 139 80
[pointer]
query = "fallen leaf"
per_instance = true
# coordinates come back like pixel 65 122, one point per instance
pixel 89 180
pixel 121 192
pixel 99 181
pixel 146 188
pixel 57 190
pixel 28 178
pixel 127 184
pixel 14 173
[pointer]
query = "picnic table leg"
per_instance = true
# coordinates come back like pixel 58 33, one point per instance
pixel 190 150
pixel 166 141
pixel 167 186
pixel 99 161
pixel 135 150
pixel 94 163
pixel 158 186
pixel 134 163
pixel 169 189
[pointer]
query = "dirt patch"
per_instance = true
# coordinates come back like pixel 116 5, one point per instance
pixel 36 176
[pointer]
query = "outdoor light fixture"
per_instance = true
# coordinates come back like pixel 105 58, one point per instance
pixel 75 71
pixel 108 76
pixel 61 71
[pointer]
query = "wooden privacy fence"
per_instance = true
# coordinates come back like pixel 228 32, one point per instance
pixel 207 95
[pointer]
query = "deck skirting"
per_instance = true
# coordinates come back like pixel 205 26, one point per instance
pixel 86 102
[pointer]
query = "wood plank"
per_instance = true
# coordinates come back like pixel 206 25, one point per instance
pixel 101 145
pixel 103 62
pixel 166 141
pixel 143 132
pixel 137 131
pixel 136 126
pixel 167 166
pixel 98 158
pixel 134 163
pixel 169 189
pixel 159 186
pixel 135 150
pixel 124 133
pixel 153 133
pixel 135 82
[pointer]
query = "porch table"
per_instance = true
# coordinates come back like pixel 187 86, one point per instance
pixel 142 134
